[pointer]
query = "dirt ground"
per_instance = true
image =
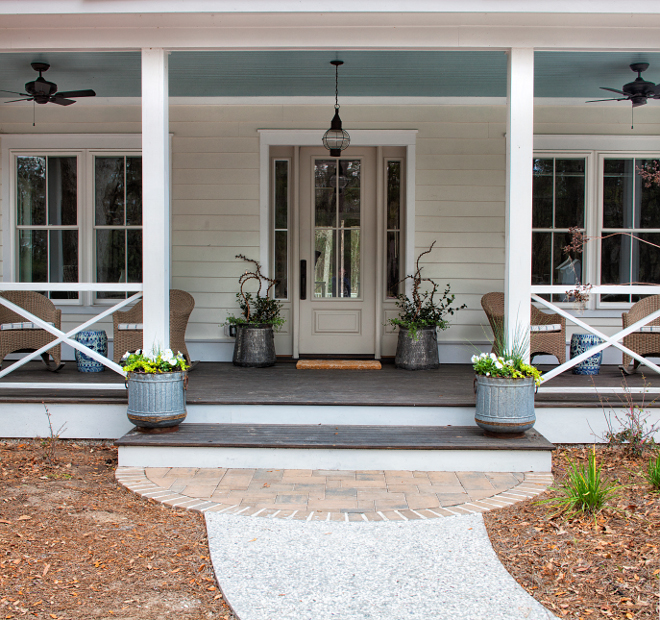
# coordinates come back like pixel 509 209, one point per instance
pixel 607 567
pixel 73 544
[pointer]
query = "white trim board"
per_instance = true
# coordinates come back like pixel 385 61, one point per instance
pixel 596 143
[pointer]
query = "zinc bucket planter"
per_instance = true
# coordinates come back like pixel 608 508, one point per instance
pixel 254 346
pixel 505 407
pixel 418 353
pixel 157 400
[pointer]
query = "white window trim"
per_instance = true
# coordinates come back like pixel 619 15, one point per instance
pixel 85 147
pixel 595 149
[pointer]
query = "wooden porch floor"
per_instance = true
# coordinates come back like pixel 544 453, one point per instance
pixel 224 384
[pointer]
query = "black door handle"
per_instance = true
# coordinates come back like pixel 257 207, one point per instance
pixel 303 279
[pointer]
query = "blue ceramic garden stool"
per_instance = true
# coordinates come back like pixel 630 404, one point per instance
pixel 97 341
pixel 581 343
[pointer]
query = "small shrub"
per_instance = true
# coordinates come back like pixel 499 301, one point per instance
pixel 653 472
pixel 584 491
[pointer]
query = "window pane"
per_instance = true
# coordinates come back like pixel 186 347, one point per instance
pixel 349 251
pixel 393 264
pixel 648 264
pixel 110 259
pixel 281 194
pixel 615 265
pixel 567 267
pixel 32 256
pixel 134 191
pixel 618 193
pixel 109 191
pixel 281 264
pixel 648 200
pixel 541 258
pixel 63 250
pixel 542 193
pixel 393 194
pixel 62 191
pixel 31 191
pixel 349 193
pixel 569 193
pixel 324 263
pixel 325 184
pixel 134 256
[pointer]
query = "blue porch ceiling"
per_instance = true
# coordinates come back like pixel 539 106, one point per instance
pixel 309 73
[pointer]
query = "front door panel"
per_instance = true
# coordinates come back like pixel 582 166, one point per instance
pixel 338 243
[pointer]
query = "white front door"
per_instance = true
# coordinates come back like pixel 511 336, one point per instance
pixel 338 252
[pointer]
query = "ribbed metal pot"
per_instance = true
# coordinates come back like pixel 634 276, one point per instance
pixel 505 406
pixel 419 353
pixel 156 400
pixel 254 346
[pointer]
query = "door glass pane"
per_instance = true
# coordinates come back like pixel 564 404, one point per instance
pixel 32 256
pixel 134 191
pixel 31 191
pixel 63 251
pixel 110 259
pixel 281 194
pixel 393 194
pixel 349 270
pixel 348 185
pixel 324 263
pixel 109 191
pixel 281 264
pixel 325 184
pixel 62 191
pixel 393 262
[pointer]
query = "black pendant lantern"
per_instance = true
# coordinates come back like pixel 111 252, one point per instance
pixel 336 139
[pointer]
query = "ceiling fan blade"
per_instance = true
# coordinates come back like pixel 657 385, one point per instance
pixel 614 90
pixel 597 100
pixel 61 100
pixel 76 93
pixel 13 92
pixel 15 100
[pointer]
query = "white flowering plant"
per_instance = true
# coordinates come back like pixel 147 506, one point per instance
pixel 154 362
pixel 514 367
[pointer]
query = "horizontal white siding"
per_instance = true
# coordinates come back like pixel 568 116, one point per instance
pixel 460 159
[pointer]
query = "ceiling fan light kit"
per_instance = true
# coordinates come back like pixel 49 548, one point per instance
pixel 42 91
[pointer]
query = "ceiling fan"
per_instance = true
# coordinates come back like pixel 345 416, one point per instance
pixel 42 91
pixel 638 91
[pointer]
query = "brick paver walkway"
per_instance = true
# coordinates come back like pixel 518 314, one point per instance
pixel 305 494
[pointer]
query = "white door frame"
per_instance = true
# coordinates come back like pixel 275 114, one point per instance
pixel 313 137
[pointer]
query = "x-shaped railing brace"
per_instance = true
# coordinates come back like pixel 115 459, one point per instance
pixel 60 336
pixel 608 340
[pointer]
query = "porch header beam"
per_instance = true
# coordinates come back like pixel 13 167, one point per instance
pixel 155 199
pixel 518 219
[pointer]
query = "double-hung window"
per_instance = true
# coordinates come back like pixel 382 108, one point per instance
pixel 603 195
pixel 73 212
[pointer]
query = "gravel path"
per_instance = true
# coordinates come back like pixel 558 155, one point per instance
pixel 271 569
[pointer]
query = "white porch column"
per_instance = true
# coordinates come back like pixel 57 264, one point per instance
pixel 518 222
pixel 155 198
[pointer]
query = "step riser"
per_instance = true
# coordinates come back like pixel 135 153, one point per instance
pixel 298 458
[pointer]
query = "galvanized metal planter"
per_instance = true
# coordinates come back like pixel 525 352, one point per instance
pixel 505 406
pixel 419 353
pixel 254 346
pixel 157 401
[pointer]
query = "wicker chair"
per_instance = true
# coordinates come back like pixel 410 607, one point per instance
pixel 540 342
pixel 18 334
pixel 129 338
pixel 645 343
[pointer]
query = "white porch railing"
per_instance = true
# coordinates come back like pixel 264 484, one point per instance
pixel 67 337
pixel 608 341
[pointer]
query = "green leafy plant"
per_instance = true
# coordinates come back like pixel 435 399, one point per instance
pixel 424 308
pixel 155 362
pixel 653 472
pixel 507 359
pixel 584 491
pixel 256 309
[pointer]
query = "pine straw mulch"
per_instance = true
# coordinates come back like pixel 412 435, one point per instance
pixel 580 568
pixel 74 544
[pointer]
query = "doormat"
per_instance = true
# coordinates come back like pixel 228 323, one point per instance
pixel 338 365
